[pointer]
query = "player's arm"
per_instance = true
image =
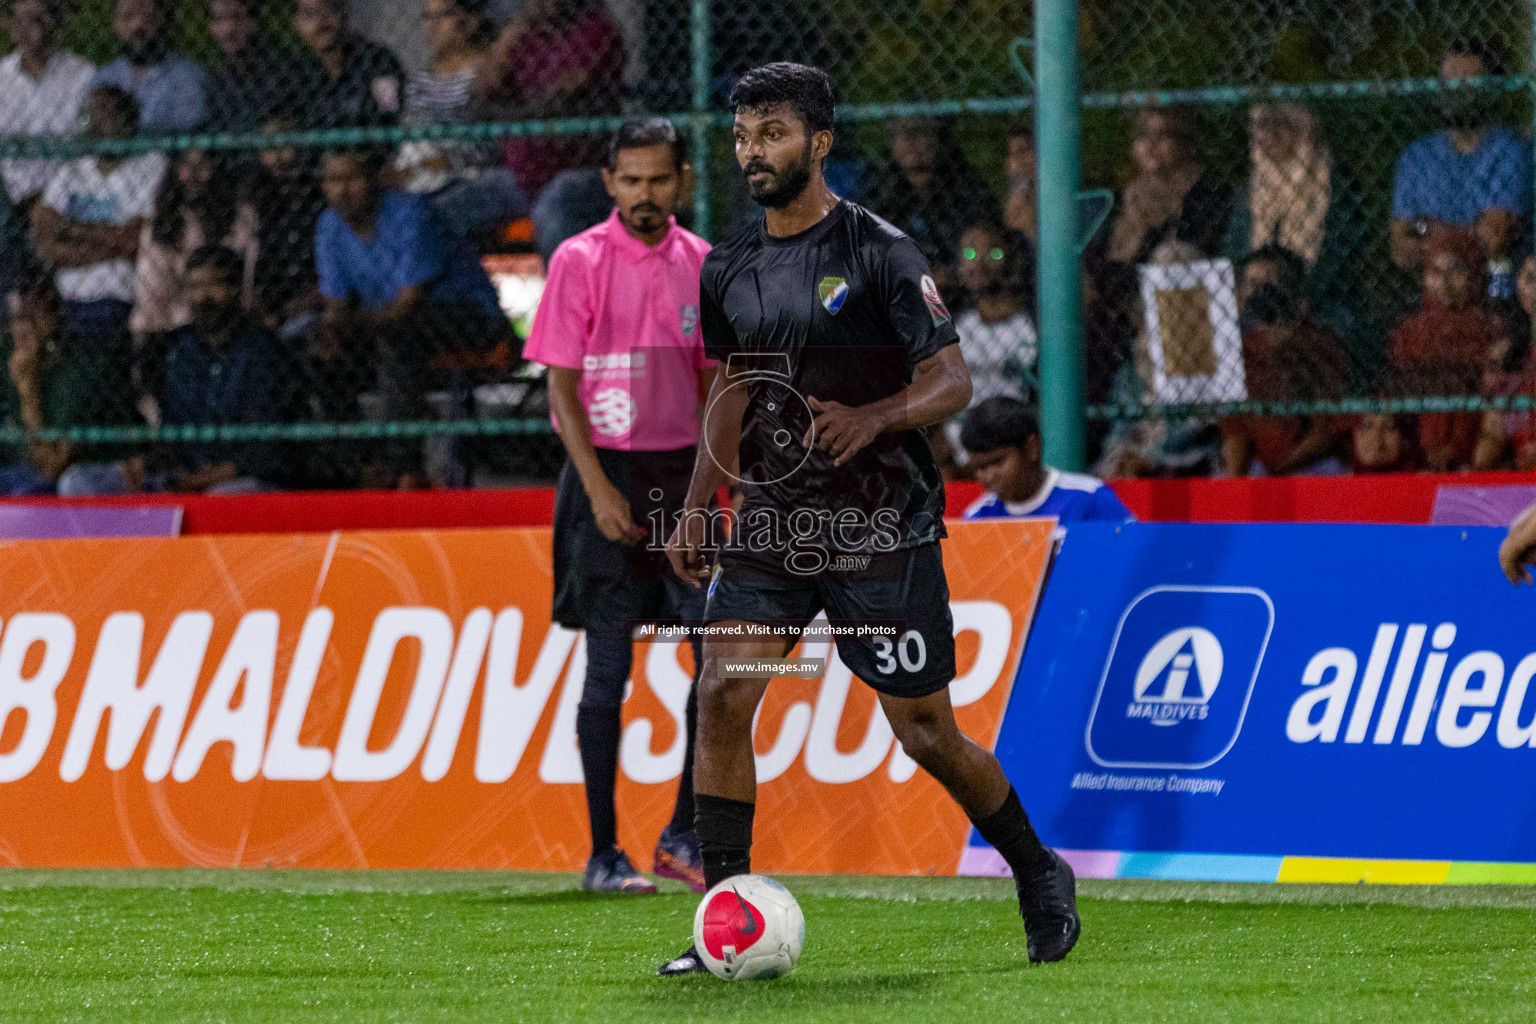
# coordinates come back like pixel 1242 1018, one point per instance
pixel 609 506
pixel 718 449
pixel 940 388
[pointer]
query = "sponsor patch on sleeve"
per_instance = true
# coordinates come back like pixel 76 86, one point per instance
pixel 936 307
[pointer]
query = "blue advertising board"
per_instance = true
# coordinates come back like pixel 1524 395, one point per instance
pixel 1280 702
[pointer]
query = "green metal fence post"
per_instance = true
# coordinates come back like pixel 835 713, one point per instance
pixel 1058 125
pixel 699 45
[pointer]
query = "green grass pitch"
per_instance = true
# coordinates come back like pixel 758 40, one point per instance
pixel 151 946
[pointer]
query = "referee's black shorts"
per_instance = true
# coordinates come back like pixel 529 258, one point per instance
pixel 906 588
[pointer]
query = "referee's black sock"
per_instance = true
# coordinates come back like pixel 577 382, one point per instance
pixel 597 735
pixel 1010 833
pixel 682 811
pixel 725 836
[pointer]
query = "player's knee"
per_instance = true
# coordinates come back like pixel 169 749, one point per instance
pixel 723 703
pixel 929 743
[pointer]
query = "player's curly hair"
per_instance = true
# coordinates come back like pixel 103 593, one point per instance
pixel 807 90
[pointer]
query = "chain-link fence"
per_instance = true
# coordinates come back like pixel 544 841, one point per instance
pixel 1322 209
pixel 138 133
pixel 1317 260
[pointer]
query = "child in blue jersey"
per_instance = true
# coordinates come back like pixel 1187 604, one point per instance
pixel 1003 441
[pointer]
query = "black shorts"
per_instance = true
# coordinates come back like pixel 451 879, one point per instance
pixel 905 588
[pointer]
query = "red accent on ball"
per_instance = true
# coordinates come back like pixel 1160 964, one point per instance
pixel 729 920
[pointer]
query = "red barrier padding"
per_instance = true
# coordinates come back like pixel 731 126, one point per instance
pixel 1347 499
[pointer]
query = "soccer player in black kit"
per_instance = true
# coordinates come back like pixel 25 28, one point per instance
pixel 835 351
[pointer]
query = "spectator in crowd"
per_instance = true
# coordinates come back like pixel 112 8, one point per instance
pixel 256 74
pixel 223 370
pixel 1021 210
pixel 472 192
pixel 1473 174
pixel 55 384
pixel 555 58
pixel 195 207
pixel 930 191
pixel 88 225
pixel 347 80
pixel 1508 438
pixel 1287 357
pixel 1003 441
pixel 398 287
pixel 1297 198
pixel 997 336
pixel 1172 198
pixel 1443 348
pixel 286 188
pixel 1385 443
pixel 171 90
pixel 1156 446
pixel 42 92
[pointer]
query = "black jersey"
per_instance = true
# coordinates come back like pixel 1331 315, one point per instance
pixel 843 311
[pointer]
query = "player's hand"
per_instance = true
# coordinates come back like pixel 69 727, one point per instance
pixel 841 430
pixel 611 510
pixel 683 548
pixel 1518 552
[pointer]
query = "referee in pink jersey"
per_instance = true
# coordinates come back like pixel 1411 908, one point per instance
pixel 618 327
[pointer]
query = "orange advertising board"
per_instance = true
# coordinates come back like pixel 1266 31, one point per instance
pixel 403 700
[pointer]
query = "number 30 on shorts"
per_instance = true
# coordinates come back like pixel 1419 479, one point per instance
pixel 909 648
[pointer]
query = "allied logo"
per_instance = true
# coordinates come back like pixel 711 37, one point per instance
pixel 833 292
pixel 1177 679
pixel 690 320
pixel 936 307
pixel 1179 676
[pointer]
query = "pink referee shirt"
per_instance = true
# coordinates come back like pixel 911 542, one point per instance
pixel 627 315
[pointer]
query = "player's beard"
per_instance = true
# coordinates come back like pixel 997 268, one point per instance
pixel 783 187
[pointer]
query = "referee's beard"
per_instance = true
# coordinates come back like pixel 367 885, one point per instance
pixel 778 188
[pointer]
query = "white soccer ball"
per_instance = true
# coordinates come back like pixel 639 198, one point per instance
pixel 749 926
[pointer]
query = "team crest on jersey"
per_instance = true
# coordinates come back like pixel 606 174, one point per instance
pixel 936 307
pixel 833 292
pixel 690 320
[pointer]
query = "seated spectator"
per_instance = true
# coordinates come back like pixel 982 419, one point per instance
pixel 1474 174
pixel 195 207
pixel 1286 358
pixel 1003 441
pixel 1508 438
pixel 88 226
pixel 930 191
pixel 555 58
pixel 1156 446
pixel 42 92
pixel 287 189
pixel 347 80
pixel 1296 197
pixel 171 90
pixel 1172 198
pixel 55 384
pixel 223 370
pixel 398 287
pixel 257 74
pixel 1021 210
pixel 1442 350
pixel 1384 443
pixel 997 336
pixel 472 192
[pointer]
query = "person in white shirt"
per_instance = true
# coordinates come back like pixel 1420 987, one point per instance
pixel 42 92
pixel 88 223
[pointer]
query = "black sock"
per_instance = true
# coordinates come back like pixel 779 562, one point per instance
pixel 725 836
pixel 682 811
pixel 1010 833
pixel 597 734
